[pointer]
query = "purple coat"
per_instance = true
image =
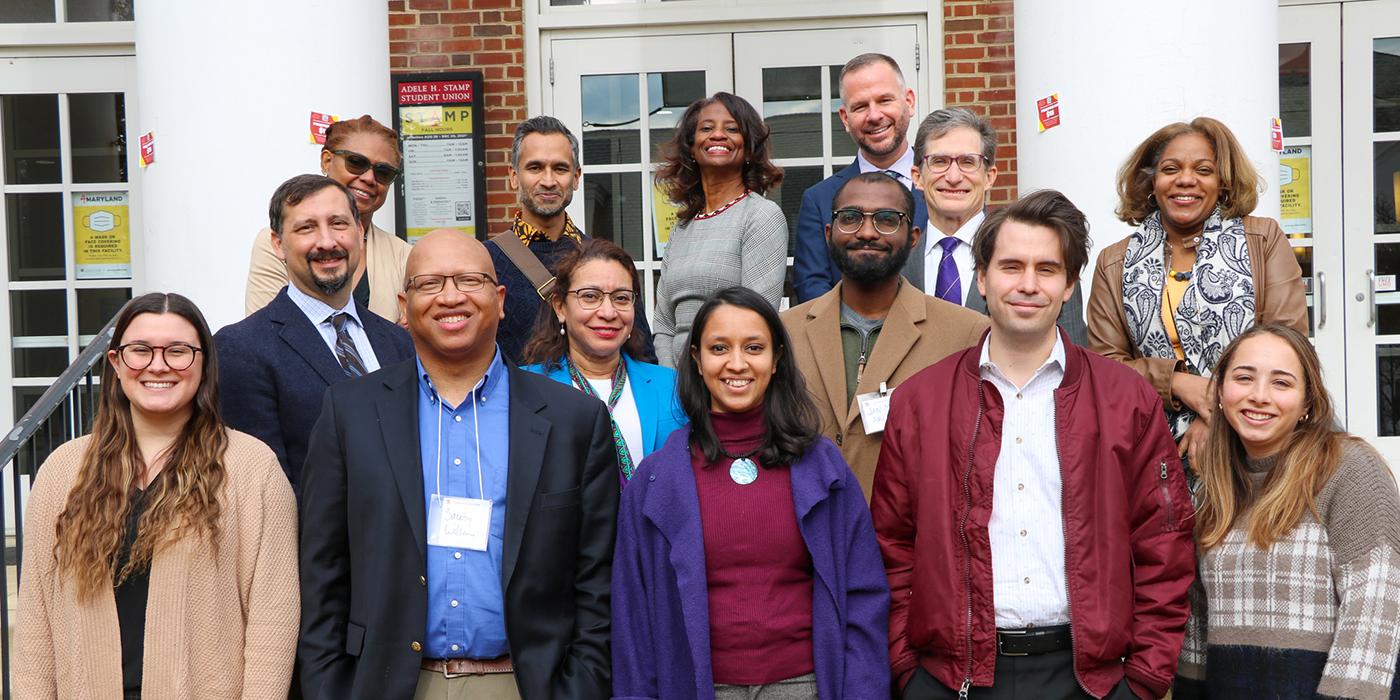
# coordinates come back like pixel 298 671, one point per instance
pixel 660 598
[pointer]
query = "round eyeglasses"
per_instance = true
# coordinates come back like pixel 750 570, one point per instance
pixel 849 220
pixel 940 162
pixel 176 356
pixel 590 298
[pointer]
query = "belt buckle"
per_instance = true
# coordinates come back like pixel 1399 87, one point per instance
pixel 1018 633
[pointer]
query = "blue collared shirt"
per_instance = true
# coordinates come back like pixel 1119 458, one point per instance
pixel 466 608
pixel 319 313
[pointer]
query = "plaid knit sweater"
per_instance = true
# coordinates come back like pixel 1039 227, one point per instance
pixel 1315 614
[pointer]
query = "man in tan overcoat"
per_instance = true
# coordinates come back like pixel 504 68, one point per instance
pixel 858 342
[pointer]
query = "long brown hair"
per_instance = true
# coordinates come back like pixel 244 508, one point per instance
pixel 1304 465
pixel 679 174
pixel 92 528
pixel 1239 181
pixel 547 345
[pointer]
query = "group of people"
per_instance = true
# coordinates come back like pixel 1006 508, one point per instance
pixel 469 469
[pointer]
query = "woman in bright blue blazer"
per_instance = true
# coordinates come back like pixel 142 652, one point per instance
pixel 584 338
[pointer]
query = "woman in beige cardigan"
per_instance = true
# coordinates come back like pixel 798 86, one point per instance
pixel 161 532
pixel 363 155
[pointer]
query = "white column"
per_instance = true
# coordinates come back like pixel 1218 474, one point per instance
pixel 228 89
pixel 1124 69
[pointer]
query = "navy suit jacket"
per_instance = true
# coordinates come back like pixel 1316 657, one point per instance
pixel 274 368
pixel 814 273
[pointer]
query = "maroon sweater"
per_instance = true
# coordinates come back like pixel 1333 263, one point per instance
pixel 758 568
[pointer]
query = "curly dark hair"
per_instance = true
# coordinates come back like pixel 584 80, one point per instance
pixel 679 174
pixel 547 346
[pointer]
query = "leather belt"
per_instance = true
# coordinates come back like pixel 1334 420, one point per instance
pixel 456 668
pixel 1033 640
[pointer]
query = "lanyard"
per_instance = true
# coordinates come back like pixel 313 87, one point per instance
pixel 476 429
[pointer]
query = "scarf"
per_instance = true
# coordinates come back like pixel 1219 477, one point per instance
pixel 619 382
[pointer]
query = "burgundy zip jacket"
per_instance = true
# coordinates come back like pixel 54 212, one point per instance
pixel 1129 555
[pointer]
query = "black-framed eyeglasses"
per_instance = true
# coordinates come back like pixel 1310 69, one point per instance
pixel 940 162
pixel 357 164
pixel 590 298
pixel 177 356
pixel 465 282
pixel 849 220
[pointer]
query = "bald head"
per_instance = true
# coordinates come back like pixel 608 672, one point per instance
pixel 452 242
pixel 456 323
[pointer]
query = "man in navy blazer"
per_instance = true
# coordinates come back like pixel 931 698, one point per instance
pixel 275 365
pixel 876 108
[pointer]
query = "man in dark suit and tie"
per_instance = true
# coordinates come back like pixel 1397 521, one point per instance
pixel 275 365
pixel 876 107
pixel 458 514
pixel 955 165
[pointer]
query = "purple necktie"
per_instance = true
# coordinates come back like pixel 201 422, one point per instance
pixel 949 287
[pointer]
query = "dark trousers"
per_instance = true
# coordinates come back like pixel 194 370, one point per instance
pixel 1037 677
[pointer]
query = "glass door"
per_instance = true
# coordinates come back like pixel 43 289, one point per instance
pixel 68 212
pixel 792 78
pixel 1371 180
pixel 622 97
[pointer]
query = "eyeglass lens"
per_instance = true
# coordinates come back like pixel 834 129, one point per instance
pixel 140 356
pixel 357 164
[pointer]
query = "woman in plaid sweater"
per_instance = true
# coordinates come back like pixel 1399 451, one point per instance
pixel 1299 535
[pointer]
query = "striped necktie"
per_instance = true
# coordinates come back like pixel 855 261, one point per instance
pixel 345 347
pixel 949 286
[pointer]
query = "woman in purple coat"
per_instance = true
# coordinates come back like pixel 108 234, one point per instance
pixel 746 564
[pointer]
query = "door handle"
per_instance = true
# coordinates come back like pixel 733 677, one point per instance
pixel 1321 302
pixel 1371 291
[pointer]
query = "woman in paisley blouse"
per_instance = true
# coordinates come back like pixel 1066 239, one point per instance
pixel 1196 272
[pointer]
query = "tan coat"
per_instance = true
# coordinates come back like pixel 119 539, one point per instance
pixel 1278 298
pixel 919 331
pixel 220 626
pixel 387 256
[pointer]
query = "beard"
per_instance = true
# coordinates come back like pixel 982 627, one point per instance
pixel 868 270
pixel 901 130
pixel 329 285
pixel 528 203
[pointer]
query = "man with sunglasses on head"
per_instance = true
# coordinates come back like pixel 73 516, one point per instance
pixel 955 165
pixel 545 173
pixel 275 365
pixel 857 342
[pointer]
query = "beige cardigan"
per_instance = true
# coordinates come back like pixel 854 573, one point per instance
pixel 216 627
pixel 387 255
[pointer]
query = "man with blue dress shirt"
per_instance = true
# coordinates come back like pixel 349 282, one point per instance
pixel 876 108
pixel 275 365
pixel 458 514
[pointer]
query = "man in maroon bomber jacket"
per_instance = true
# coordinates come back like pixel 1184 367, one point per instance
pixel 1030 505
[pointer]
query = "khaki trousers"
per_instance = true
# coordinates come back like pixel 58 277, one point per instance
pixel 432 685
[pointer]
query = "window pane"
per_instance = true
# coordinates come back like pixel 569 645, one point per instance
pixel 12 11
pixel 841 144
pixel 789 195
pixel 97 306
pixel 613 209
pixel 100 10
pixel 98 125
pixel 668 94
pixel 792 108
pixel 1386 83
pixel 611 119
pixel 34 234
pixel 33 314
pixel 1295 88
pixel 1387 265
pixel 31 138
pixel 1387 193
pixel 1388 390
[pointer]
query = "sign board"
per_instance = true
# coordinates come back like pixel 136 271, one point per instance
pixel 1295 189
pixel 440 118
pixel 102 235
pixel 1049 111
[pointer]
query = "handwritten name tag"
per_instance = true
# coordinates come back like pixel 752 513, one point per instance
pixel 461 523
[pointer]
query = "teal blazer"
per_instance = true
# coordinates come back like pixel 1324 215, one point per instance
pixel 654 388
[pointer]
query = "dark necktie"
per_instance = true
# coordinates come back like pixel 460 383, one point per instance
pixel 949 286
pixel 345 348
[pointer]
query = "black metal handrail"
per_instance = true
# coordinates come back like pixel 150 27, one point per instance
pixel 73 392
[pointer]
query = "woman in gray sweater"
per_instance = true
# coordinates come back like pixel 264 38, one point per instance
pixel 716 169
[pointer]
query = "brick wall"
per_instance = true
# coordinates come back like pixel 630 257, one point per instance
pixel 979 63
pixel 484 35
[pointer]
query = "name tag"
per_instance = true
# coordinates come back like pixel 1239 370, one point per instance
pixel 874 409
pixel 460 523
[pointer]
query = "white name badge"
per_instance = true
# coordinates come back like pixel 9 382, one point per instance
pixel 460 523
pixel 874 409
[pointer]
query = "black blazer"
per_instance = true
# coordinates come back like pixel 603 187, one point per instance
pixel 363 541
pixel 274 367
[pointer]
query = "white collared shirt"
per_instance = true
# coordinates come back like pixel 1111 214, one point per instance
pixel 1027 527
pixel 962 255
pixel 319 313
pixel 901 167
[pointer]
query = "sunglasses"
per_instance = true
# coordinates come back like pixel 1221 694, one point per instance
pixel 358 164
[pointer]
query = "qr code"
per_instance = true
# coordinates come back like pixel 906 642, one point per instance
pixel 464 211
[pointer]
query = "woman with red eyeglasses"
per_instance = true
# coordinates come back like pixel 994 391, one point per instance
pixel 363 155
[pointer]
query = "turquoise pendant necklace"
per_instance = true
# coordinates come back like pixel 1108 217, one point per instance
pixel 743 471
